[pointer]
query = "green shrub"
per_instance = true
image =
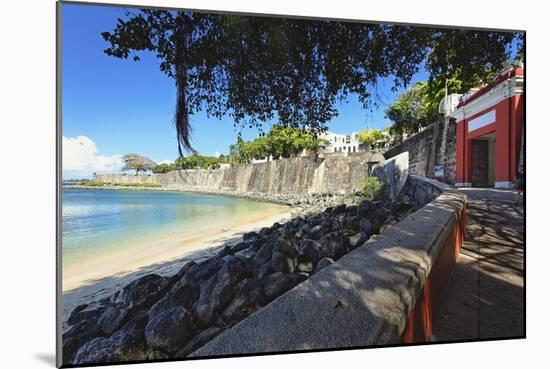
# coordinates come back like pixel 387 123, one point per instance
pixel 375 189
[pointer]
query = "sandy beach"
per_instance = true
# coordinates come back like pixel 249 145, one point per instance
pixel 164 249
pixel 101 276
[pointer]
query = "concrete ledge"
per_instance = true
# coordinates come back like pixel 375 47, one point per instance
pixel 463 184
pixel 367 298
pixel 505 185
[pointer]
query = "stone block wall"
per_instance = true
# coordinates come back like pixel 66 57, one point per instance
pixel 435 145
pixel 328 174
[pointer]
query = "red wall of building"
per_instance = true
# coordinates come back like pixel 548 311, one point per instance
pixel 503 170
pixel 419 322
pixel 509 120
pixel 516 124
pixel 508 124
pixel 460 152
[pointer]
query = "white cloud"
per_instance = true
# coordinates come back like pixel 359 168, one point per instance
pixel 165 162
pixel 81 159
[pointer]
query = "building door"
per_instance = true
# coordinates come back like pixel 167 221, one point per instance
pixel 480 163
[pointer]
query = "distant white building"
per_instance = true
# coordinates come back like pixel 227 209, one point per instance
pixel 262 160
pixel 341 143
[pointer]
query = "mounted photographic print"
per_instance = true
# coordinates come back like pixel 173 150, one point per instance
pixel 238 184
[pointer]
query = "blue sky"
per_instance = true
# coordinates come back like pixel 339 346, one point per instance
pixel 123 106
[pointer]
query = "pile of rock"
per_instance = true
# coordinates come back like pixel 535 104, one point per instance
pixel 302 203
pixel 158 317
pixel 306 204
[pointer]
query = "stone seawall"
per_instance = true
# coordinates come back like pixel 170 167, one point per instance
pixel 434 146
pixel 329 174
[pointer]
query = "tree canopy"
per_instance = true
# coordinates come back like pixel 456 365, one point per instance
pixel 370 136
pixel 257 68
pixel 418 106
pixel 196 161
pixel 280 141
pixel 137 162
pixel 193 161
pixel 164 168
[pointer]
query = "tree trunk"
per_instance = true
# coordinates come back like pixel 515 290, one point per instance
pixel 181 118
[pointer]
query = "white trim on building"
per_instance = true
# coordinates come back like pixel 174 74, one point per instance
pixel 482 120
pixel 510 87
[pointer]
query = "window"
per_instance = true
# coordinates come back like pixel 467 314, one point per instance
pixel 335 149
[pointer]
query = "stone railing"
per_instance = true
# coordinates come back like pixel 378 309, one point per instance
pixel 381 293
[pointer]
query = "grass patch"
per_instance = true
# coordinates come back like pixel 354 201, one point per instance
pixel 94 183
pixel 101 183
pixel 137 184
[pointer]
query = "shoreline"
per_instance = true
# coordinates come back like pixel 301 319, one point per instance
pixel 280 199
pixel 300 202
pixel 164 249
pixel 97 283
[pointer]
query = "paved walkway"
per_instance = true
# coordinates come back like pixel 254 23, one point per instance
pixel 485 296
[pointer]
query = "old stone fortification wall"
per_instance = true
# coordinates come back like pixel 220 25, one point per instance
pixel 435 145
pixel 330 174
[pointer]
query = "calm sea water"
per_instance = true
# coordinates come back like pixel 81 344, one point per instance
pixel 100 221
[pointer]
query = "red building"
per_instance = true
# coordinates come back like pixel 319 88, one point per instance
pixel 489 132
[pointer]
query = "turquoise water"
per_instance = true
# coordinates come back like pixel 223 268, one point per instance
pixel 100 221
